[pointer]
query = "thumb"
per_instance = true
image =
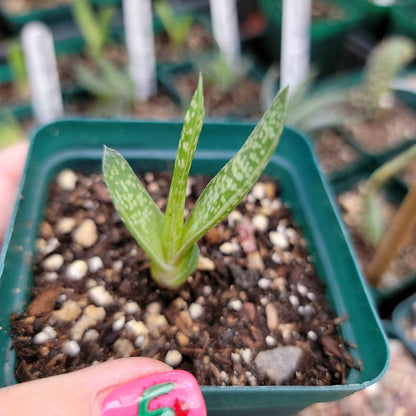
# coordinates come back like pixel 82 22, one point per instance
pixel 123 387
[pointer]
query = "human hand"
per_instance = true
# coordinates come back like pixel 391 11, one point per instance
pixel 125 387
pixel 12 161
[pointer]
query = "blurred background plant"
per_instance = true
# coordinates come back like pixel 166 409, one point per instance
pixel 16 63
pixel 10 129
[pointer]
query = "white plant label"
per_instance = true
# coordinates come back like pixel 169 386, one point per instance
pixel 296 39
pixel 224 19
pixel 138 23
pixel 42 71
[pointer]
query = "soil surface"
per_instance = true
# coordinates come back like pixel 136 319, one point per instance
pixel 393 127
pixel 253 313
pixel 333 152
pixel 403 265
pixel 199 40
pixel 324 10
pixel 241 101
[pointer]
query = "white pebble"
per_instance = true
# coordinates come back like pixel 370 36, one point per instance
pixel 270 341
pixel 173 358
pixel 100 296
pixel 264 283
pixel 224 377
pixel 67 180
pixel 229 248
pixel 246 355
pixel 312 335
pixel 119 324
pixel 278 239
pixel 91 335
pixel 71 348
pixel 207 290
pixel 117 265
pixel 195 311
pixel 49 331
pixel 131 308
pixel 53 263
pixel 276 258
pixel 260 222
pixel 303 290
pixel 40 338
pixel 50 277
pixel 234 217
pixel 235 305
pixel 205 263
pixel 65 225
pixel 86 233
pixel 95 263
pixel 259 191
pixel 311 296
pixel 137 328
pixel 77 270
pixel 139 341
pixel 294 300
pixel 154 308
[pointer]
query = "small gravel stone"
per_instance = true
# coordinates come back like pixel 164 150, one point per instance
pixel 207 290
pixel 246 355
pixel 139 341
pixel 123 348
pixel 235 305
pixel 294 300
pixel 51 276
pixel 53 263
pixel 270 341
pixel 137 328
pixel 280 363
pixel 71 348
pixel 47 246
pixel 65 225
pixel 118 324
pixel 311 296
pixel 95 263
pixel 91 335
pixel 251 379
pixel 155 322
pixel 303 290
pixel 276 258
pixel 272 317
pixel 131 308
pixel 259 191
pixel 182 339
pixel 234 217
pixel 86 233
pixel 95 312
pixel 264 283
pixel 255 261
pixel 312 335
pixel 69 311
pixel 76 270
pixel 173 358
pixel 40 338
pixel 196 311
pixel 100 296
pixel 260 222
pixel 205 263
pixel 229 248
pixel 278 239
pixel 154 308
pixel 67 179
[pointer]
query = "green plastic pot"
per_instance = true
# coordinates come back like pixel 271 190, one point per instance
pixel 50 15
pixel 404 310
pixel 79 145
pixel 403 19
pixel 327 36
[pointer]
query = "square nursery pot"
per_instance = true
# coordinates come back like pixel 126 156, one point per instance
pixel 327 35
pixel 386 298
pixel 79 145
pixel 403 19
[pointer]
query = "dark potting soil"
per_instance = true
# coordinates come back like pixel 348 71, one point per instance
pixel 255 292
pixel 324 10
pixel 403 265
pixel 199 40
pixel 333 152
pixel 242 100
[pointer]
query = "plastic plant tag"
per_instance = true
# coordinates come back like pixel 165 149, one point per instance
pixel 225 28
pixel 42 70
pixel 296 39
pixel 138 22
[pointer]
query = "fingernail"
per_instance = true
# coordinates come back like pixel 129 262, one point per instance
pixel 174 393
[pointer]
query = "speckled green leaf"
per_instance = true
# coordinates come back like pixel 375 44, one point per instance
pixel 236 178
pixel 134 205
pixel 174 217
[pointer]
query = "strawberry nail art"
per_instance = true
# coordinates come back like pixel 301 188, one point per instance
pixel 174 393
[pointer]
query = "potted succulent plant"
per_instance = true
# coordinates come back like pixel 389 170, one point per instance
pixel 170 244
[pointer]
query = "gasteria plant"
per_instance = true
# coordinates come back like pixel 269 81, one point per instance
pixel 168 241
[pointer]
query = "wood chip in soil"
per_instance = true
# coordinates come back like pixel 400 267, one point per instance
pixel 255 294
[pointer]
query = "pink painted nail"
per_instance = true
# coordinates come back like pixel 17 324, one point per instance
pixel 174 393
